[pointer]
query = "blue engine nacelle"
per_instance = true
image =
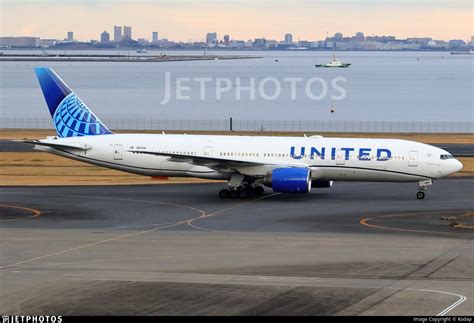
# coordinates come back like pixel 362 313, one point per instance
pixel 289 180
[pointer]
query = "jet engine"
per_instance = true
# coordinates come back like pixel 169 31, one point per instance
pixel 289 180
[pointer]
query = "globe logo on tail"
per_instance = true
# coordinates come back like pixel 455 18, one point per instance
pixel 73 118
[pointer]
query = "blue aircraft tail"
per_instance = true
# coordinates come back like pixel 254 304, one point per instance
pixel 71 117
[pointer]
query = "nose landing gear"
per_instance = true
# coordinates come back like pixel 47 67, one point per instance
pixel 420 195
pixel 423 186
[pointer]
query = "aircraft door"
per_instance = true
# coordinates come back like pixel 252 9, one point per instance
pixel 208 151
pixel 340 157
pixel 117 152
pixel 413 158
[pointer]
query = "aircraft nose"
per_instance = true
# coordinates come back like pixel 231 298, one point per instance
pixel 457 165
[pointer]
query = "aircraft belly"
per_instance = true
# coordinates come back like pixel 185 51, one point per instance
pixel 358 174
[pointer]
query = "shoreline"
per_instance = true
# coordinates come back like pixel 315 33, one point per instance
pixel 117 58
pixel 238 49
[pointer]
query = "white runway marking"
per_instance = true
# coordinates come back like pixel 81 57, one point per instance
pixel 448 309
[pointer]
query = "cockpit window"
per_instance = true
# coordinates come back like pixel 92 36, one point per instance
pixel 446 157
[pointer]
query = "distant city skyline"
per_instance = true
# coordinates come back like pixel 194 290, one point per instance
pixel 338 41
pixel 241 19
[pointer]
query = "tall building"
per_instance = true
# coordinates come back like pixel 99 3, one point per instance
pixel 338 36
pixel 360 36
pixel 211 39
pixel 288 39
pixel 105 37
pixel 259 42
pixel 127 32
pixel 117 33
pixel 227 40
pixel 70 36
pixel 154 37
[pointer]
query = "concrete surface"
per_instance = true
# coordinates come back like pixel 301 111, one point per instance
pixel 355 248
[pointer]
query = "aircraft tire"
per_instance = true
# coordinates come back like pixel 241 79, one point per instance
pixel 224 194
pixel 243 194
pixel 234 194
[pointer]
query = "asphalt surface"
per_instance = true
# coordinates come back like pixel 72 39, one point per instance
pixel 355 248
pixel 457 150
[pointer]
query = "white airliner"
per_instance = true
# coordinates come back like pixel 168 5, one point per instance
pixel 286 164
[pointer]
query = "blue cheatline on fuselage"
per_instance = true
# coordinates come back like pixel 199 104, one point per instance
pixel 71 117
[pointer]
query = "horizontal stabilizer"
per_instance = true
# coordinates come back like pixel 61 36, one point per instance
pixel 76 146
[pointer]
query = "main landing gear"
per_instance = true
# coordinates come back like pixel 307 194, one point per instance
pixel 241 192
pixel 423 186
pixel 241 187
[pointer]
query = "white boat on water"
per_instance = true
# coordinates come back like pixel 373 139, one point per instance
pixel 334 63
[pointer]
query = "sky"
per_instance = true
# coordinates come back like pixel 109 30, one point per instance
pixel 190 20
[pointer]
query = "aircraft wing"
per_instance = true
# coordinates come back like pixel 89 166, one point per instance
pixel 252 168
pixel 199 160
